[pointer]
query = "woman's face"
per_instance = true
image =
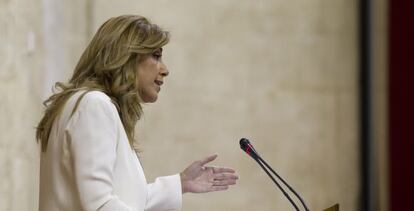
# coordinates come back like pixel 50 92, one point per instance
pixel 151 74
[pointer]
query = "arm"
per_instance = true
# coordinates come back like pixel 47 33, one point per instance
pixel 92 135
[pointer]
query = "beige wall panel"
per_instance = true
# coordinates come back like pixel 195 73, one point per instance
pixel 380 103
pixel 281 73
pixel 20 64
pixel 41 40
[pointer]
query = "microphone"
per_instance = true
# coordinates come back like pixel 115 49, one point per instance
pixel 250 150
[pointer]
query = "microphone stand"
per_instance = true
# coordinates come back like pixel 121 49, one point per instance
pixel 283 181
pixel 277 184
pixel 250 150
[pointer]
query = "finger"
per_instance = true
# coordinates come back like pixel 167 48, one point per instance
pixel 224 182
pixel 207 160
pixel 223 170
pixel 224 176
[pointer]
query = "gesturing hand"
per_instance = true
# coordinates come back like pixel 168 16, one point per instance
pixel 198 178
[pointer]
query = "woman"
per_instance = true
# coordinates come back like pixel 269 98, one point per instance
pixel 88 159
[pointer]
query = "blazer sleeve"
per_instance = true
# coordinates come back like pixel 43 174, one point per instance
pixel 164 194
pixel 92 142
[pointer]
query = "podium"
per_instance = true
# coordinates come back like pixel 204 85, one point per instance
pixel 333 208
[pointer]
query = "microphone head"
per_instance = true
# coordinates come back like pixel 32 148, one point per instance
pixel 248 148
pixel 244 143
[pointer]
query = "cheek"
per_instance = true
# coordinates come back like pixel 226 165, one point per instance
pixel 144 81
pixel 147 72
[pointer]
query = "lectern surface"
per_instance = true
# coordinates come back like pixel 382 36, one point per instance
pixel 333 208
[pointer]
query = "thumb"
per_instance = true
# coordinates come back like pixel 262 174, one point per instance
pixel 208 159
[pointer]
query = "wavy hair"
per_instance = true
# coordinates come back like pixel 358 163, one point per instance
pixel 109 64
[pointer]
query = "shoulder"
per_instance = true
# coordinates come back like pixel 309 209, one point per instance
pixel 93 100
pixel 96 96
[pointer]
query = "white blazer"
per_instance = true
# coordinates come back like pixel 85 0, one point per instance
pixel 89 164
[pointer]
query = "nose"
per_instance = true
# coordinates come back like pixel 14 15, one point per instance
pixel 164 70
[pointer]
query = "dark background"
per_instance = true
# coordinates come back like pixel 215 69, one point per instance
pixel 401 84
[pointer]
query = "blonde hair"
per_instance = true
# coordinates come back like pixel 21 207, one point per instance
pixel 109 65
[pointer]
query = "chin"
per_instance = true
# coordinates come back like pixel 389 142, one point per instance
pixel 148 97
pixel 151 99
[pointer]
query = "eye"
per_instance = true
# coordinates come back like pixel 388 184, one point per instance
pixel 157 55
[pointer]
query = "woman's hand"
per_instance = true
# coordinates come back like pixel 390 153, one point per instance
pixel 198 178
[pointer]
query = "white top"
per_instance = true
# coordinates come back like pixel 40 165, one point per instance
pixel 89 164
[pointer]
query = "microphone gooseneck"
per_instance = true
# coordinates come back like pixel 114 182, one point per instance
pixel 246 146
pixel 285 183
